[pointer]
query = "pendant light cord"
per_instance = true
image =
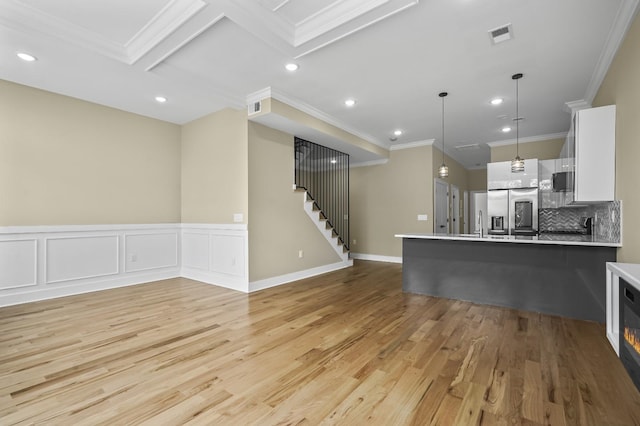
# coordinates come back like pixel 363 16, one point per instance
pixel 517 120
pixel 443 129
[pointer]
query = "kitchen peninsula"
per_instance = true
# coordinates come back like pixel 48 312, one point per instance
pixel 552 274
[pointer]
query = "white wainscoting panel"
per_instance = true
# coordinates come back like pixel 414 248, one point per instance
pixel 73 258
pixel 195 250
pixel 43 262
pixel 216 254
pixel 18 263
pixel 227 254
pixel 151 251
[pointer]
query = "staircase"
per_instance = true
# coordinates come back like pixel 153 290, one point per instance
pixel 324 225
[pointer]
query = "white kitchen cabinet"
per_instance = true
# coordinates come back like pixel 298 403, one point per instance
pixel 595 137
pixel 500 176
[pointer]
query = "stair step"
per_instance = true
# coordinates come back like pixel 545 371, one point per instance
pixel 312 207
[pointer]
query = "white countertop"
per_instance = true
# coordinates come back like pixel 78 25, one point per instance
pixel 556 239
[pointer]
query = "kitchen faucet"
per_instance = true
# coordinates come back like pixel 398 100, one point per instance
pixel 480 223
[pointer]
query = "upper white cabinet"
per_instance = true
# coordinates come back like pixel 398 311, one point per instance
pixel 500 176
pixel 595 154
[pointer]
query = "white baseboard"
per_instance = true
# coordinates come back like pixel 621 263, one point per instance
pixel 220 280
pixel 45 262
pixel 376 257
pixel 299 275
pixel 39 294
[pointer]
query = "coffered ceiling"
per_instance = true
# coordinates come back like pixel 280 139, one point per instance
pixel 392 56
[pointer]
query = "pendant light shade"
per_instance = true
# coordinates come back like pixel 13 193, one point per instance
pixel 517 164
pixel 443 170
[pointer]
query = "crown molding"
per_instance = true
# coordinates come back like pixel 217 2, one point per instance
pixel 26 18
pixel 529 139
pixel 408 145
pixel 574 106
pixel 330 17
pixel 383 11
pixel 625 16
pixel 369 163
pixel 259 95
pixel 308 109
pixel 163 24
pixel 21 16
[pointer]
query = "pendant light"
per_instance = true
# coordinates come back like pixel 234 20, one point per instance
pixel 443 170
pixel 517 164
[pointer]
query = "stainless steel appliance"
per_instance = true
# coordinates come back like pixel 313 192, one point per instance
pixel 562 181
pixel 523 211
pixel 498 211
pixel 497 223
pixel 512 199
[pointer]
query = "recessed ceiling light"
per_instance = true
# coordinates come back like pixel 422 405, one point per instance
pixel 291 67
pixel 26 57
pixel 350 102
pixel 161 99
pixel 397 132
pixel 496 101
pixel 506 129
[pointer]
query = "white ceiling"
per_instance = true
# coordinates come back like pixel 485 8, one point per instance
pixel 392 56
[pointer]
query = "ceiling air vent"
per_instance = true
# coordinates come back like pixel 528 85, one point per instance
pixel 467 147
pixel 255 107
pixel 500 34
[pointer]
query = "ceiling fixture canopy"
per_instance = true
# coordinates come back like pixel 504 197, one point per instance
pixel 517 164
pixel 443 170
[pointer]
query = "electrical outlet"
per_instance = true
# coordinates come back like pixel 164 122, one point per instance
pixel 423 217
pixel 354 241
pixel 238 217
pixel 300 254
pixel 134 257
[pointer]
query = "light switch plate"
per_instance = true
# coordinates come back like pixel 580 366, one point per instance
pixel 423 217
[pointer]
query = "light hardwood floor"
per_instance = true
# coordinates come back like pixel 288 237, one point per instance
pixel 344 348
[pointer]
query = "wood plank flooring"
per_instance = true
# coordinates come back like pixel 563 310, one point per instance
pixel 344 348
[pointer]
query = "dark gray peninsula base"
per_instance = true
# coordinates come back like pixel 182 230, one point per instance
pixel 565 280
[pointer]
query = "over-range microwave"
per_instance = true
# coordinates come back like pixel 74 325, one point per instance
pixel 562 181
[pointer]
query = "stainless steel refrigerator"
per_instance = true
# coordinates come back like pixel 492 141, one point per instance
pixel 513 211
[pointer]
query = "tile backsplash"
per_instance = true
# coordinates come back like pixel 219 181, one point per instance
pixel 606 220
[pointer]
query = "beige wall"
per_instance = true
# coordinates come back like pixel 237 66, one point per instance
pixel 279 226
pixel 386 199
pixel 621 86
pixel 64 161
pixel 542 150
pixel 457 176
pixel 477 179
pixel 215 168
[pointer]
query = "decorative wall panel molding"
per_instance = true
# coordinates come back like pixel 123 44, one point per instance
pixel 18 263
pixel 43 262
pixel 151 251
pixel 216 254
pixel 72 258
